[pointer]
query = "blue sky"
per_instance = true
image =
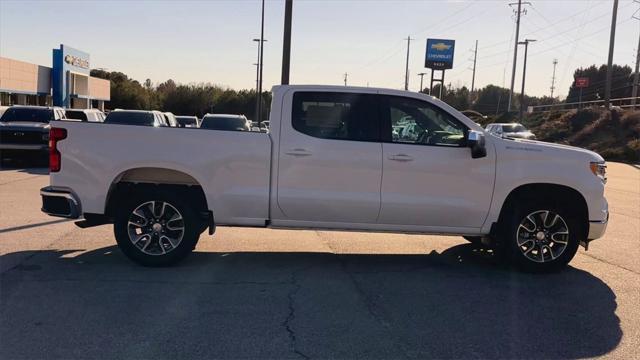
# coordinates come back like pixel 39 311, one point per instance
pixel 211 41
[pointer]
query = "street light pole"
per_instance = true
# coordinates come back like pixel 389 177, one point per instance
pixel 612 38
pixel 524 74
pixel 286 43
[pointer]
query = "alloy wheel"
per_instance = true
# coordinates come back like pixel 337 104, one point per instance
pixel 542 236
pixel 156 227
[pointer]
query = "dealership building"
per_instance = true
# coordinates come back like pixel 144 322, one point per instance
pixel 67 83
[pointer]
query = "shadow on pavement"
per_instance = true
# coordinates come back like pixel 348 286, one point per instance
pixel 454 304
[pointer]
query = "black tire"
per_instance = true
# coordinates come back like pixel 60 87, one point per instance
pixel 556 255
pixel 190 234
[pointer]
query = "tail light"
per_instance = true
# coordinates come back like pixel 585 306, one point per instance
pixel 55 159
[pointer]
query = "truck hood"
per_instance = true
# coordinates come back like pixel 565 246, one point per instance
pixel 551 149
pixel 25 126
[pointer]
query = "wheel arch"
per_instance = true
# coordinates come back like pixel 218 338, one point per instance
pixel 152 179
pixel 561 193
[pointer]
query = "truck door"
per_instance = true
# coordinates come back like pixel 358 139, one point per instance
pixel 330 158
pixel 429 177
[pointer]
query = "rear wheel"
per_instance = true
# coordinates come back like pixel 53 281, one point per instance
pixel 156 229
pixel 541 236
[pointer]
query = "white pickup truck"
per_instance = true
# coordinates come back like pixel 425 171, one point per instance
pixel 340 158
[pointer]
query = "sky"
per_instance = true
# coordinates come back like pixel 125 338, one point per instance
pixel 211 41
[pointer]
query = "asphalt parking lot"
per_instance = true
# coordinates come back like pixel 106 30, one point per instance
pixel 68 292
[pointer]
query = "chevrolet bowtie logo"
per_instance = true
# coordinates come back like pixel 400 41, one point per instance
pixel 441 46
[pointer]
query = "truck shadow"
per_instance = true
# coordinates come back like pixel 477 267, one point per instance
pixel 454 304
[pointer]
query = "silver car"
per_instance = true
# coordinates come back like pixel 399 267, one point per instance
pixel 510 130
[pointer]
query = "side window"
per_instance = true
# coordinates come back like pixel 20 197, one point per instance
pixel 418 122
pixel 342 116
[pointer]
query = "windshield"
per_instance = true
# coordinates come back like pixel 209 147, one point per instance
pixel 26 114
pixel 186 120
pixel 513 128
pixel 224 123
pixel 130 118
pixel 76 114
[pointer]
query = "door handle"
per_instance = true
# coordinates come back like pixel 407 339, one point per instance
pixel 401 157
pixel 298 152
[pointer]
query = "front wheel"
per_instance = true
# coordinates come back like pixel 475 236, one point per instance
pixel 541 236
pixel 156 229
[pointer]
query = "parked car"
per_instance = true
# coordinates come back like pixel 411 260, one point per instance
pixel 3 109
pixel 510 130
pixel 331 163
pixel 171 119
pixel 136 117
pixel 187 121
pixel 88 115
pixel 227 122
pixel 24 130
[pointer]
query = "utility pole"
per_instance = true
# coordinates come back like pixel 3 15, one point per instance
pixel 475 57
pixel 406 71
pixel 286 43
pixel 515 48
pixel 524 74
pixel 261 62
pixel 553 78
pixel 257 64
pixel 636 76
pixel 612 37
pixel 345 78
pixel 421 77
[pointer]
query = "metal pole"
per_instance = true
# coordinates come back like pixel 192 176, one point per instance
pixel 261 65
pixel 553 78
pixel 515 55
pixel 286 43
pixel 257 81
pixel 636 78
pixel 473 77
pixel 580 99
pixel 406 71
pixel 524 75
pixel 345 79
pixel 607 87
pixel 441 85
pixel 431 83
pixel 421 78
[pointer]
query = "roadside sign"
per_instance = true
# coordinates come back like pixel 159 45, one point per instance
pixel 582 82
pixel 439 54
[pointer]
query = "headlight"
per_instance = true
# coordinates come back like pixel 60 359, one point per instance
pixel 599 169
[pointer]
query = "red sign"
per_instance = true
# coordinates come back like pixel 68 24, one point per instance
pixel 582 82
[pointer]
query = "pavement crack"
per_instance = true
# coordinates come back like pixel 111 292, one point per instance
pixel 373 311
pixel 291 297
pixel 610 263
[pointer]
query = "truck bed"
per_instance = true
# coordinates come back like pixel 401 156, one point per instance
pixel 233 168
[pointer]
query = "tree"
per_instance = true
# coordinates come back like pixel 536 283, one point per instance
pixel 621 84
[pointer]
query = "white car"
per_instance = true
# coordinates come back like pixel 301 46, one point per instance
pixel 510 130
pixel 330 161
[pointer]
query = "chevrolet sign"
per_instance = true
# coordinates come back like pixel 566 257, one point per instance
pixel 76 61
pixel 439 55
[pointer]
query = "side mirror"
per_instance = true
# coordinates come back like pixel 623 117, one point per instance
pixel 475 141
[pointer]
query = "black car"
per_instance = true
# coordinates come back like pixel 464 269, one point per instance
pixel 24 130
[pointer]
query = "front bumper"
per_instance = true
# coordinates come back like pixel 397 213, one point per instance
pixel 597 229
pixel 60 202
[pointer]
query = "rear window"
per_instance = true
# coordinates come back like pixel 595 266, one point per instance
pixel 224 123
pixel 129 118
pixel 186 120
pixel 26 114
pixel 513 128
pixel 77 115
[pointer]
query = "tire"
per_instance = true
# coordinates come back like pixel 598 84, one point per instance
pixel 159 237
pixel 540 236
